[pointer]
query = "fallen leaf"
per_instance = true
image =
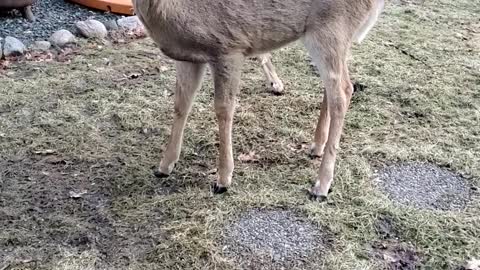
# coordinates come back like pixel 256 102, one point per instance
pixel 390 258
pixel 77 195
pixel 212 171
pixel 250 157
pixel 298 147
pixel 38 56
pixel 4 64
pixel 45 152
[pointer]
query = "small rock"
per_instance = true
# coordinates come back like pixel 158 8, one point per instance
pixel 41 46
pixel 13 47
pixel 130 23
pixel 62 37
pixel 111 25
pixel 92 29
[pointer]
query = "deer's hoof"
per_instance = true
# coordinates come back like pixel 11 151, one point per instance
pixel 316 151
pixel 277 88
pixel 160 174
pixel 313 155
pixel 218 189
pixel 317 198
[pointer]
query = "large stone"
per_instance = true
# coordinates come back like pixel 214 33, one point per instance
pixel 130 23
pixel 1 47
pixel 62 37
pixel 111 25
pixel 92 29
pixel 13 47
pixel 41 46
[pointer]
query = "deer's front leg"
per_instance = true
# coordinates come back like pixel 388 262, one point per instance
pixel 227 72
pixel 189 80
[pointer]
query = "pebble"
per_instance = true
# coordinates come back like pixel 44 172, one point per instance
pixel 61 38
pixel 13 47
pixel 111 25
pixel 92 29
pixel 130 23
pixel 41 46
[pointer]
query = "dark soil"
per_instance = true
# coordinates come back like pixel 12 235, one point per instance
pixel 391 251
pixel 385 227
pixel 395 255
pixel 50 205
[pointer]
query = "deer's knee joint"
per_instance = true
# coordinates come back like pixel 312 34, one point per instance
pixel 331 149
pixel 223 109
pixel 338 103
pixel 180 111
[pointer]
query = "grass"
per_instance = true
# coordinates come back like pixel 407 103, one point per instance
pixel 91 124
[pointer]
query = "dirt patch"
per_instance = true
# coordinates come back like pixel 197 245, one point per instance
pixel 51 205
pixel 275 239
pixel 385 227
pixel 396 256
pixel 425 186
pixel 391 252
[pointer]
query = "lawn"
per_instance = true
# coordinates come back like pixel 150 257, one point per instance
pixel 79 138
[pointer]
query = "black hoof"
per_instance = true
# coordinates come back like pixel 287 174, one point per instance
pixel 358 87
pixel 276 93
pixel 218 190
pixel 160 174
pixel 317 198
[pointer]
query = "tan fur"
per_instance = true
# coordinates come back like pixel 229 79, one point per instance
pixel 222 33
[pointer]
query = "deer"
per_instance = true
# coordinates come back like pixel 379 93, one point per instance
pixel 221 34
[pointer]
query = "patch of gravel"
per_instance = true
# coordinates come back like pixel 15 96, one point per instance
pixel 51 15
pixel 425 186
pixel 274 239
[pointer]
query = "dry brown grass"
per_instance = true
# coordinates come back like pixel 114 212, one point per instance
pixel 106 115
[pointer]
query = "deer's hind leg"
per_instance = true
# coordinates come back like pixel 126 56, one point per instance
pixel 329 52
pixel 321 132
pixel 274 82
pixel 189 80
pixel 226 72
